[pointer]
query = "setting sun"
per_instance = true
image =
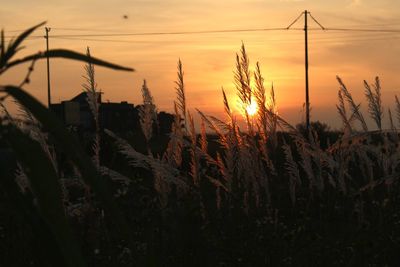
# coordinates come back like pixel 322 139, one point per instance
pixel 252 108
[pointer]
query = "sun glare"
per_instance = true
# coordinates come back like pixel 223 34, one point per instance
pixel 252 108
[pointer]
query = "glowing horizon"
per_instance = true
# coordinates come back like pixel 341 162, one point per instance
pixel 209 59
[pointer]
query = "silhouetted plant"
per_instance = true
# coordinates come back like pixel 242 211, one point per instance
pixel 37 164
pixel 260 196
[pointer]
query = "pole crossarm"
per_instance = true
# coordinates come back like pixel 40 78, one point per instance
pixel 316 21
pixel 294 22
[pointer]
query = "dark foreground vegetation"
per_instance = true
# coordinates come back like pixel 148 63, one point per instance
pixel 269 195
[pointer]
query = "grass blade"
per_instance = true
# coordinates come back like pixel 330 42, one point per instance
pixel 13 46
pixel 64 53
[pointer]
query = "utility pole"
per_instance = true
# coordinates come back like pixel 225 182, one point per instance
pixel 306 14
pixel 48 67
pixel 306 69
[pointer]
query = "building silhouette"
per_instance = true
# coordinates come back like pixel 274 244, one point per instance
pixel 118 117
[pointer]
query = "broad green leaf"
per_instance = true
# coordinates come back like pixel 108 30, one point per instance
pixel 13 46
pixel 64 53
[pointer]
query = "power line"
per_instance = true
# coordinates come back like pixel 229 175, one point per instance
pixel 370 25
pixel 95 40
pixel 367 36
pixel 321 29
pixel 363 30
pixel 330 40
pixel 391 23
pixel 171 33
pixel 369 32
pixel 85 29
pixel 166 33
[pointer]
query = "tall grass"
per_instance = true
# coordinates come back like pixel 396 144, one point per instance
pixel 262 195
pixel 29 144
pixel 261 170
pixel 93 96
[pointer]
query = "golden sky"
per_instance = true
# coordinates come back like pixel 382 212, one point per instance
pixel 209 59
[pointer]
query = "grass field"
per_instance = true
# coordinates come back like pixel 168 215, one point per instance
pixel 271 194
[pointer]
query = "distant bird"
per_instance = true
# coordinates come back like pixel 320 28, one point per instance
pixel 125 16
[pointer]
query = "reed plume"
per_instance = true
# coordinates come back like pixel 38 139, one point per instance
pixel 374 101
pixel 93 99
pixel 147 114
pixel 355 108
pixel 242 83
pixel 181 97
pixel 398 109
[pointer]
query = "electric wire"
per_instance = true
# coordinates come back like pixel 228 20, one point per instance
pixel 166 33
pixel 361 37
pixel 363 30
pixel 321 29
pixel 325 29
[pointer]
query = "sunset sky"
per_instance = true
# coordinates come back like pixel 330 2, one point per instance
pixel 209 59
